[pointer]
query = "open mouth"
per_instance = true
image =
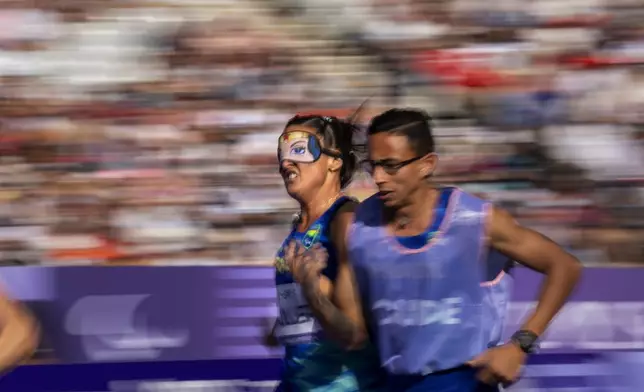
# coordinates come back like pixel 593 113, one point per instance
pixel 385 195
pixel 289 175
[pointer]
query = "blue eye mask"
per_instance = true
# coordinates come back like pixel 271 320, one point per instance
pixel 301 147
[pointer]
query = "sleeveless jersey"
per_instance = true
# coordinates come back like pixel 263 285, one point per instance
pixel 435 307
pixel 312 362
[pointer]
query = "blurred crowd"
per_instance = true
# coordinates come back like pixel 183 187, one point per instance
pixel 144 131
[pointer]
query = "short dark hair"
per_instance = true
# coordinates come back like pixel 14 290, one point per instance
pixel 415 124
pixel 335 133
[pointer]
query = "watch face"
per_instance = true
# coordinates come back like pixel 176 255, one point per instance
pixel 526 341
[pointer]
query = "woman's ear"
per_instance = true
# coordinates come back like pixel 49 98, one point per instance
pixel 335 164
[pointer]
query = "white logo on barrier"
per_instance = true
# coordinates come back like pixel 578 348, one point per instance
pixel 111 329
pixel 418 312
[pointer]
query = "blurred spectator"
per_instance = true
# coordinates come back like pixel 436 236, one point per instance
pixel 144 132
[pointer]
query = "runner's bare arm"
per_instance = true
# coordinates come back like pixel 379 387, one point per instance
pixel 537 252
pixel 270 339
pixel 340 312
pixel 18 333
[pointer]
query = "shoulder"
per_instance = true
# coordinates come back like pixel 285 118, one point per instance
pixel 371 201
pixel 469 206
pixel 502 224
pixel 343 217
pixel 368 209
pixel 349 206
pixel 467 198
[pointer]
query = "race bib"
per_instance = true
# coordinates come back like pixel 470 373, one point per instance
pixel 296 322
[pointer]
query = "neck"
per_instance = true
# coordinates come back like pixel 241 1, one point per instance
pixel 419 205
pixel 318 204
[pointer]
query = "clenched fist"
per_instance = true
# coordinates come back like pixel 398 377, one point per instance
pixel 304 264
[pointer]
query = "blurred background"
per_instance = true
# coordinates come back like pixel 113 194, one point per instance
pixel 144 131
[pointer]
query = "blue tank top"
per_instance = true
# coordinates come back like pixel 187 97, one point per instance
pixel 312 362
pixel 431 308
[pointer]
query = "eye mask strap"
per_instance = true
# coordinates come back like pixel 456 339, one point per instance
pixel 331 153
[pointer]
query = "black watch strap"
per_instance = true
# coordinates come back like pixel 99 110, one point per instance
pixel 526 341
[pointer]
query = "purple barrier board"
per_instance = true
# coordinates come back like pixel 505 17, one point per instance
pixel 146 315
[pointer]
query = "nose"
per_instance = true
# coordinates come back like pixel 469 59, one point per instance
pixel 379 176
pixel 286 164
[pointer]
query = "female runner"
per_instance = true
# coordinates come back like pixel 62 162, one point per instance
pixel 320 322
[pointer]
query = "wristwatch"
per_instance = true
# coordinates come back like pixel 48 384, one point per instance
pixel 526 341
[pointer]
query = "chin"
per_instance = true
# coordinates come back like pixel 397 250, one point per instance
pixel 390 203
pixel 293 190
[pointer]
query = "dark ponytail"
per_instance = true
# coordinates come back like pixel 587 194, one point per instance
pixel 346 131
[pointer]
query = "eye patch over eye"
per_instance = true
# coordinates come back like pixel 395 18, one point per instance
pixel 302 147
